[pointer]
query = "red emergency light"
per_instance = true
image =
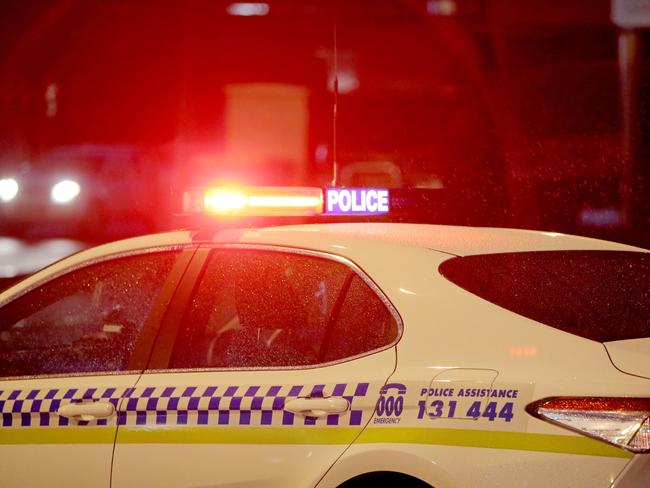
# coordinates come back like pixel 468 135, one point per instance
pixel 254 201
pixel 285 201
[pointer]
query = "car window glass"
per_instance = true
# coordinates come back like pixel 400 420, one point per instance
pixel 599 295
pixel 363 324
pixel 87 320
pixel 256 309
pixel 259 309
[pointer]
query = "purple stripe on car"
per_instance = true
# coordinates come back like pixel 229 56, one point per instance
pixel 362 389
pixel 89 393
pixel 209 391
pixel 224 417
pixel 148 392
pixel 355 417
pixel 141 417
pixel 108 393
pixel 287 418
pixel 25 419
pixel 317 391
pixel 189 391
pixel 252 391
pixel 181 418
pixel 121 418
pixel 161 418
pixel 202 417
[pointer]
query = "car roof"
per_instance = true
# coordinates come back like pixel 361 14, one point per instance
pixel 457 240
pixel 339 237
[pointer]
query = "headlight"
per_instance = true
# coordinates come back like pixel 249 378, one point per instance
pixel 8 189
pixel 65 191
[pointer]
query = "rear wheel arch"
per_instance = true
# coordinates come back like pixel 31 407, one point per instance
pixel 384 479
pixel 381 465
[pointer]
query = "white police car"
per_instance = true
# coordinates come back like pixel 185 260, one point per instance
pixel 329 355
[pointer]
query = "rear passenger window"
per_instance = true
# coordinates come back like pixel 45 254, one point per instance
pixel 363 324
pixel 261 309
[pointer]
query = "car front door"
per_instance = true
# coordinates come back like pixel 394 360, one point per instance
pixel 71 349
pixel 272 369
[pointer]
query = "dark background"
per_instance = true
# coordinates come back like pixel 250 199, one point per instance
pixel 500 112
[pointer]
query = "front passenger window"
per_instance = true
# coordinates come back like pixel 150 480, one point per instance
pixel 87 320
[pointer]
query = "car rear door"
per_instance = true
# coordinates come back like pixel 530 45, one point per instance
pixel 267 367
pixel 71 349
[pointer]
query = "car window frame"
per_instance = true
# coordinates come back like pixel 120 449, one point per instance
pixel 164 346
pixel 152 322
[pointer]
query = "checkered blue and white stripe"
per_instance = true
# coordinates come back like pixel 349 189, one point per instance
pixel 28 408
pixel 176 406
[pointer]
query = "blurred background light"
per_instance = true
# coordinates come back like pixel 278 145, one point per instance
pixel 248 9
pixel 65 191
pixel 8 189
pixel 441 7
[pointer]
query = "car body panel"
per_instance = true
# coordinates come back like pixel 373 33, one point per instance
pixel 459 466
pixel 40 448
pixel 418 421
pixel 631 355
pixel 247 436
pixel 457 240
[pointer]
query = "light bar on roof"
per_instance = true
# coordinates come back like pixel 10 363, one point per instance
pixel 258 201
pixel 289 201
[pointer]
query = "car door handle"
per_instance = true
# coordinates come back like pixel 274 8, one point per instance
pixel 87 411
pixel 317 407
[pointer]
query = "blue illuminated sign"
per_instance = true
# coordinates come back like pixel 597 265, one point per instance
pixel 356 201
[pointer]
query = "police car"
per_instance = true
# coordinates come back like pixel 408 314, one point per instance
pixel 329 355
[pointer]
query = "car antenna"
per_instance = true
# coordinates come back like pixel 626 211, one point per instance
pixel 335 163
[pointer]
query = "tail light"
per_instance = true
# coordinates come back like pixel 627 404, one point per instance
pixel 622 422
